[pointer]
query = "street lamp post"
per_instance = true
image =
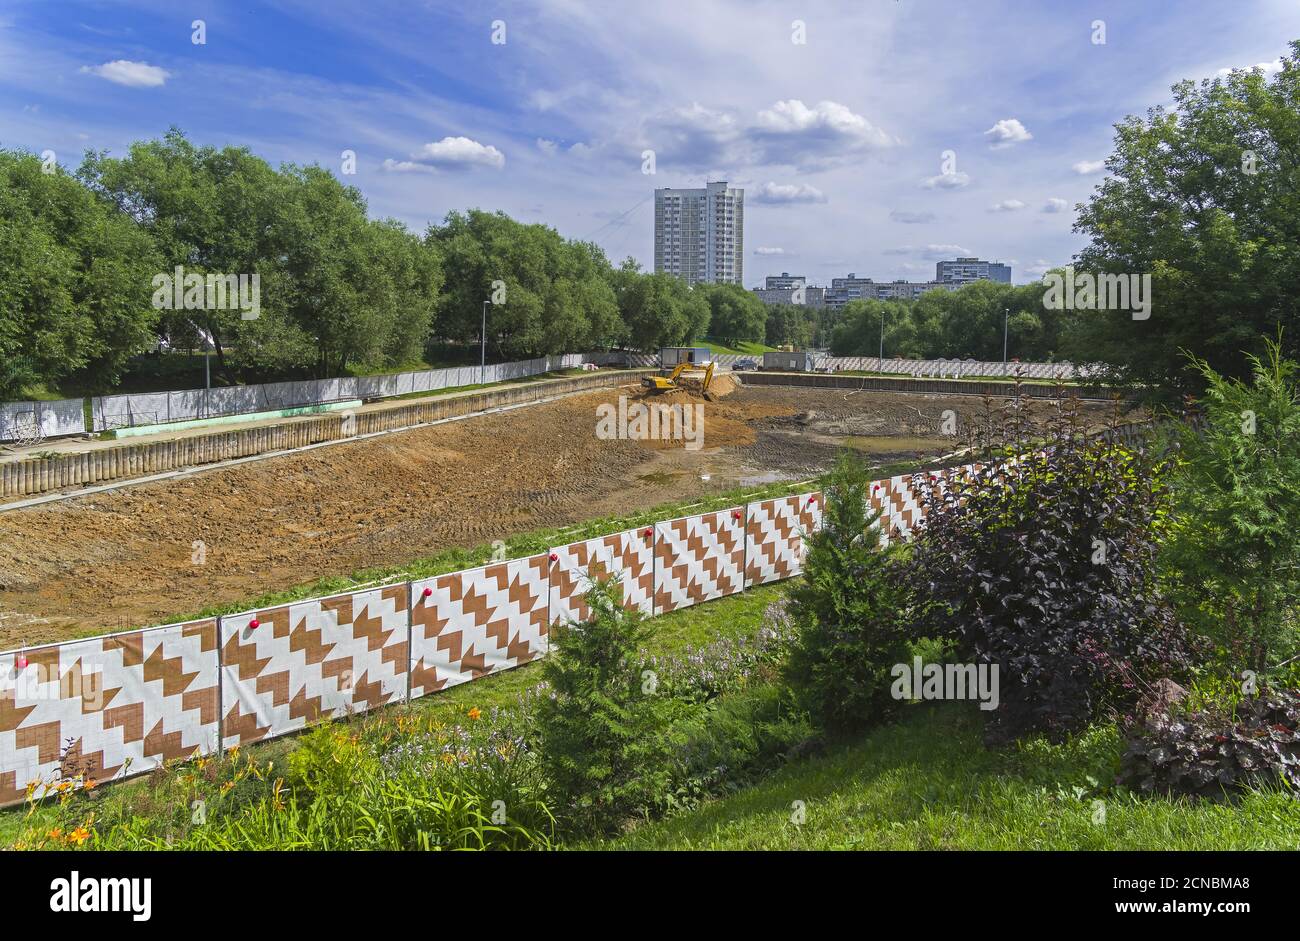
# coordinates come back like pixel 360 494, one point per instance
pixel 882 337
pixel 482 350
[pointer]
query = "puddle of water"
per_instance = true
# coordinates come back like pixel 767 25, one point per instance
pixel 878 444
pixel 767 477
pixel 659 477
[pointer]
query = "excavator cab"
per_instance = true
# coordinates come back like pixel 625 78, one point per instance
pixel 680 378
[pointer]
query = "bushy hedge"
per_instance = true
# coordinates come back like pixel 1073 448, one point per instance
pixel 1218 750
pixel 1043 564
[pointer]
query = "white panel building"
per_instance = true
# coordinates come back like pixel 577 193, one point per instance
pixel 700 233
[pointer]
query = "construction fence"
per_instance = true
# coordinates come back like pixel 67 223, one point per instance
pixel 122 704
pixel 25 422
pixel 915 368
pixel 153 408
pixel 32 421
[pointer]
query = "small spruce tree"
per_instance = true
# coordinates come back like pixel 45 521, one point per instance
pixel 603 730
pixel 849 609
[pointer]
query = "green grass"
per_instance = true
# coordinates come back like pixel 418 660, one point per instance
pixel 733 616
pixel 929 783
pixel 744 348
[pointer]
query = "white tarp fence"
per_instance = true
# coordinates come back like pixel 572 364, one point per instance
pixel 117 411
pixel 61 417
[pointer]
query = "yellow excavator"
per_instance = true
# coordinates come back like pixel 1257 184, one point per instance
pixel 680 378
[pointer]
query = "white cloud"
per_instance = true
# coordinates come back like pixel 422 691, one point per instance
pixel 1040 268
pixel 548 147
pixel 779 194
pixel 1268 68
pixel 131 74
pixel 787 134
pixel 1007 132
pixel 1007 205
pixel 1055 204
pixel 1088 167
pixel 911 218
pixel 768 250
pixel 792 116
pixel 934 252
pixel 458 152
pixel 406 166
pixel 946 181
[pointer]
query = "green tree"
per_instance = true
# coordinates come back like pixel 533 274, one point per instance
pixel 1205 197
pixel 74 280
pixel 602 733
pixel 208 210
pixel 660 310
pixel 735 315
pixel 358 292
pixel 849 608
pixel 1233 552
pixel 558 295
pixel 791 324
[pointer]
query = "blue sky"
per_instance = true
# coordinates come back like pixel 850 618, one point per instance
pixel 838 141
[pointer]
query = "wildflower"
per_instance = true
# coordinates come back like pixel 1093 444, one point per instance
pixel 89 784
pixel 474 713
pixel 79 836
pixel 227 786
pixel 56 833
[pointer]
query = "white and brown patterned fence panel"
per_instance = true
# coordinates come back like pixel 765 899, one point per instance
pixel 897 499
pixel 775 536
pixel 628 556
pixel 699 558
pixel 106 707
pixel 468 624
pixel 288 666
pixel 900 499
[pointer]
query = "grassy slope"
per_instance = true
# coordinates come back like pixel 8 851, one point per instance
pixel 744 348
pixel 929 783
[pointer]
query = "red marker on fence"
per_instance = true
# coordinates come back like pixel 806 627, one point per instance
pixel 554 557
pixel 21 662
pixel 426 593
pixel 648 531
pixel 735 514
pixel 254 624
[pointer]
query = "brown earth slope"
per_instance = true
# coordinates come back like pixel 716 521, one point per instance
pixel 125 558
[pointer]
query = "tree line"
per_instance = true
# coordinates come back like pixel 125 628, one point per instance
pixel 82 256
pixel 1201 199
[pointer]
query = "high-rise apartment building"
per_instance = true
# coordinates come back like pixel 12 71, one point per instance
pixel 966 270
pixel 700 233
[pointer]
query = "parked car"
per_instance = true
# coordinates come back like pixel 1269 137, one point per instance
pixel 743 364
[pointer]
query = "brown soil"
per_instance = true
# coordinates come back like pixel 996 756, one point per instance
pixel 124 559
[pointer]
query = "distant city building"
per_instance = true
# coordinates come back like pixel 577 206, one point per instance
pixel 784 280
pixel 853 288
pixel 966 270
pixel 798 294
pixel 699 233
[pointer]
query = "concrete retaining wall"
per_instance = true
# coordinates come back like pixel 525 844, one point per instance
pixel 101 465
